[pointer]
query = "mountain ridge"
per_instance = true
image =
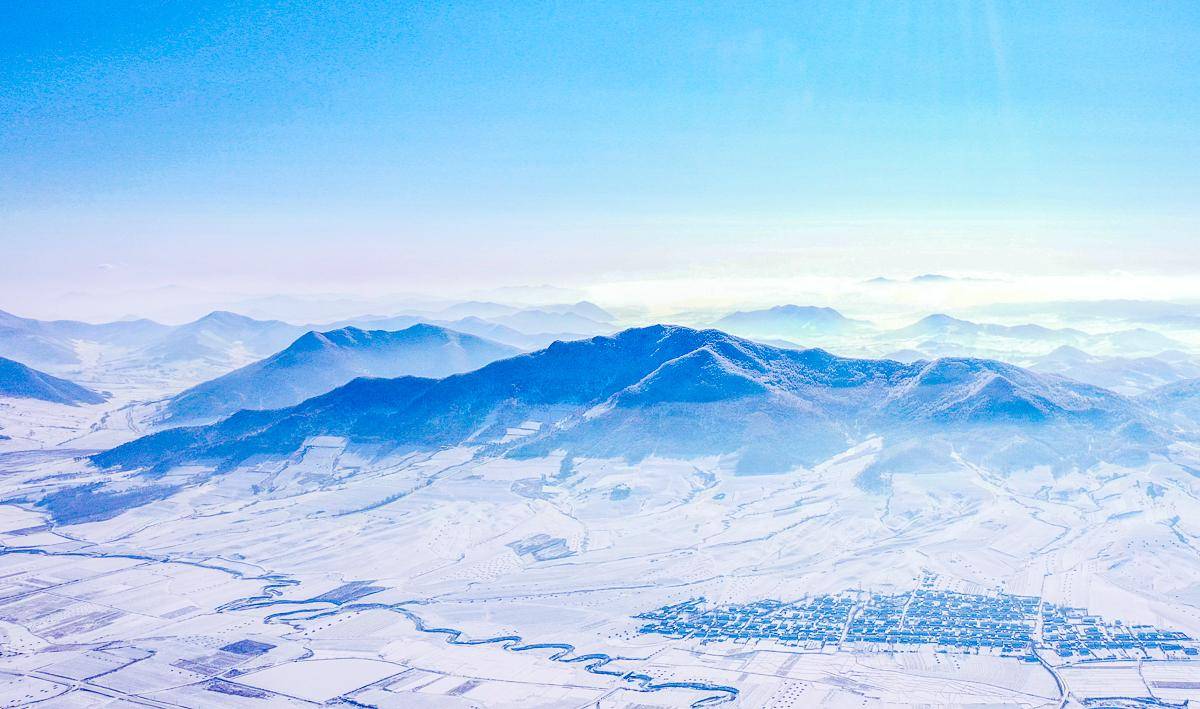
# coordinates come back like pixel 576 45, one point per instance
pixel 669 390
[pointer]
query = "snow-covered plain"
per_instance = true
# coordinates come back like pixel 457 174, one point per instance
pixel 357 562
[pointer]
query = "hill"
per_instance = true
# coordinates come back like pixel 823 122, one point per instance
pixel 19 381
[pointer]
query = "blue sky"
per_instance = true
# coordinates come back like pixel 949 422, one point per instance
pixel 413 145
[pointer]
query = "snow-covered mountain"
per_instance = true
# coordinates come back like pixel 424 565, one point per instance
pixel 672 390
pixel 320 361
pixel 22 382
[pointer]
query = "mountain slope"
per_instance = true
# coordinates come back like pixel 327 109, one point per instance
pixel 672 391
pixel 19 381
pixel 318 362
pixel 1180 401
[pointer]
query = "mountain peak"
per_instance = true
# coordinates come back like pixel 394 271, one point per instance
pixel 590 310
pixel 313 341
pixel 1066 353
pixel 702 375
pixel 224 317
pixel 942 320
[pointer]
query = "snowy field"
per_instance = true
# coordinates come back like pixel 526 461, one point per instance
pixel 453 579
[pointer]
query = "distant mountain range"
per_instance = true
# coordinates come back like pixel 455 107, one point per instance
pixel 534 338
pixel 19 381
pixel 944 331
pixel 523 328
pixel 1125 375
pixel 933 336
pixel 537 320
pixel 1155 313
pixel 54 343
pixel 590 313
pixel 789 321
pixel 939 325
pixel 320 361
pixel 222 340
pixel 671 390
pixel 924 278
pixel 51 343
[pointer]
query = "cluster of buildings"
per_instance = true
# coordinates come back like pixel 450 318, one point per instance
pixel 1072 632
pixel 999 623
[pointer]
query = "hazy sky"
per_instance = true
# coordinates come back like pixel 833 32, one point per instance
pixel 392 146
